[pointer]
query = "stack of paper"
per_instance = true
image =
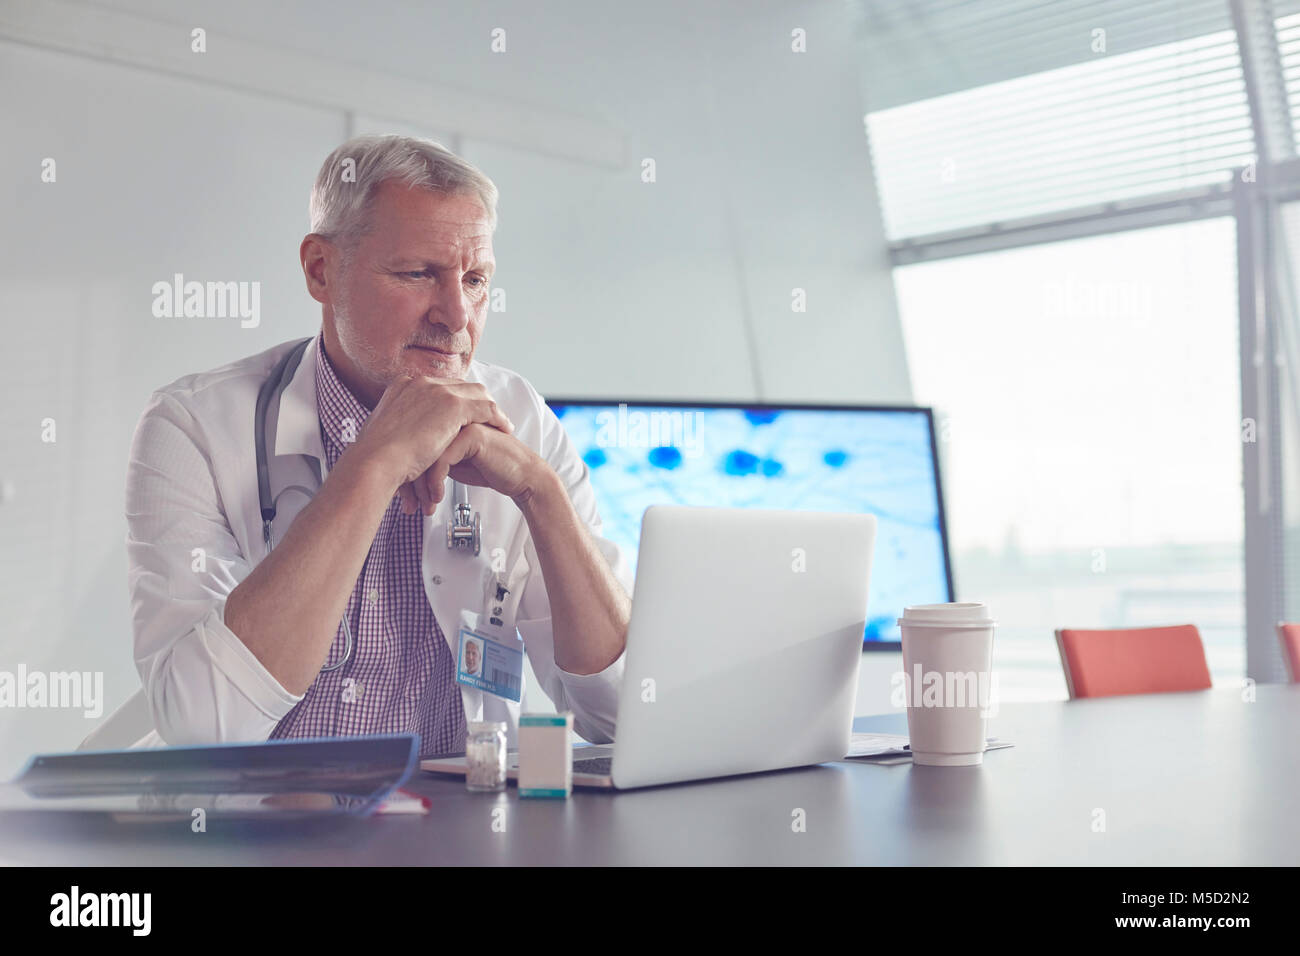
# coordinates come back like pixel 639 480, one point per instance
pixel 889 749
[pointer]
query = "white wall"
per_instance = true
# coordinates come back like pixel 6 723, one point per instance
pixel 680 288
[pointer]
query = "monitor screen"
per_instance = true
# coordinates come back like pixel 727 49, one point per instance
pixel 878 461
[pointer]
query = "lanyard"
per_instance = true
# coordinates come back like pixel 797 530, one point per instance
pixel 496 588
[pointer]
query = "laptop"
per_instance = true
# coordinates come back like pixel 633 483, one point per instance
pixel 742 650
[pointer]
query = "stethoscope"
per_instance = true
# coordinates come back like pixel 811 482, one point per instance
pixel 464 530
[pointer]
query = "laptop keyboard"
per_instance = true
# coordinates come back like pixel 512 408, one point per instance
pixel 600 766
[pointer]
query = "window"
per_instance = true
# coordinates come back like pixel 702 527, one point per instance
pixel 1108 129
pixel 1056 185
pixel 1288 46
pixel 1088 399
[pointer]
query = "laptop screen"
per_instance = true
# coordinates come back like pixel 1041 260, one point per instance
pixel 871 460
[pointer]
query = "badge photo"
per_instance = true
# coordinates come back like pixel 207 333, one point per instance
pixel 490 664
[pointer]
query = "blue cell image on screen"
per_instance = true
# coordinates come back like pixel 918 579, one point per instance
pixel 864 461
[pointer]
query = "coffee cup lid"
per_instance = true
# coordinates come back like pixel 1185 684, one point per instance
pixel 955 614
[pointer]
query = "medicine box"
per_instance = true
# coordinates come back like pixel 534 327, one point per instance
pixel 545 755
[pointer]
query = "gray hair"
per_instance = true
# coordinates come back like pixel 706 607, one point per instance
pixel 340 205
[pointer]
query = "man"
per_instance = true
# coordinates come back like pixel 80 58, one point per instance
pixel 348 617
pixel 473 656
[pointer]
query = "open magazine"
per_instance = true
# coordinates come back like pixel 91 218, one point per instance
pixel 281 779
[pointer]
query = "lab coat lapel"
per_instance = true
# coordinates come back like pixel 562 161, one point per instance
pixel 297 427
pixel 297 466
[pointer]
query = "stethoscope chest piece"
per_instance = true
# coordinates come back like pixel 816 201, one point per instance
pixel 463 530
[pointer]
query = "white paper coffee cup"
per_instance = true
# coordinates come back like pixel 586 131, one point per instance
pixel 947 665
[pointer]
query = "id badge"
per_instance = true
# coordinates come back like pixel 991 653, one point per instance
pixel 489 664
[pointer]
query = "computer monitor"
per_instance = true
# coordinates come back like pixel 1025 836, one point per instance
pixel 879 460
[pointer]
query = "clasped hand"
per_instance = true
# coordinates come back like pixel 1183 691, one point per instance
pixel 425 429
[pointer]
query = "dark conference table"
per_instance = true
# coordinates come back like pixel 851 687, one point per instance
pixel 1200 778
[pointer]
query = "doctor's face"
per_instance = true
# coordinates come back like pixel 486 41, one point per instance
pixel 413 295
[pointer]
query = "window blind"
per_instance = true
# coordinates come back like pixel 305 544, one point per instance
pixel 1036 138
pixel 1288 48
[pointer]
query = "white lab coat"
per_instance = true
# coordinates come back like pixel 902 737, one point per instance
pixel 194 531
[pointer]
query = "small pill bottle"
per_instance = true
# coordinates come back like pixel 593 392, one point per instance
pixel 485 756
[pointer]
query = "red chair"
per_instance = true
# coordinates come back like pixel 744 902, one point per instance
pixel 1289 635
pixel 1143 660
